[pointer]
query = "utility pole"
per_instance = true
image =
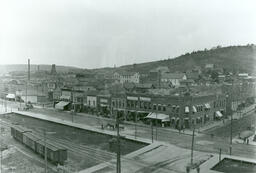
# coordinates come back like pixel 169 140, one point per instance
pixel 135 134
pixel 1 150
pixel 45 149
pixel 156 126
pixel 45 153
pixel 118 158
pixel 152 131
pixel 231 122
pixel 192 147
pixel 220 155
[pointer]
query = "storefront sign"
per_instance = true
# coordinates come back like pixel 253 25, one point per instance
pixel 147 99
pixel 132 98
pixel 103 100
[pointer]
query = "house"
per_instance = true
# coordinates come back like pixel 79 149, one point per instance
pixel 161 69
pixel 221 77
pixel 173 78
pixel 243 75
pixel 127 77
pixel 188 82
pixel 193 76
pixel 143 88
pixel 209 66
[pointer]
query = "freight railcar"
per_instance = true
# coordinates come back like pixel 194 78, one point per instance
pixel 18 131
pixel 55 154
pixel 30 140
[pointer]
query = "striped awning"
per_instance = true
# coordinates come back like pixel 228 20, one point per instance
pixel 186 109
pixel 61 105
pixel 207 105
pixel 158 116
pixel 10 96
pixel 194 109
pixel 218 114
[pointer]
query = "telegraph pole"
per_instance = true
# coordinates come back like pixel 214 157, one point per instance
pixel 118 158
pixel 192 147
pixel 135 135
pixel 45 153
pixel 1 150
pixel 156 126
pixel 231 121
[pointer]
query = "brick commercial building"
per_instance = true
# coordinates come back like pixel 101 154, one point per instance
pixel 184 111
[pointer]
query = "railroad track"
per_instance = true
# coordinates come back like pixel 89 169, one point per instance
pixel 77 149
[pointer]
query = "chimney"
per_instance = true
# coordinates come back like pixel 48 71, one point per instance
pixel 53 70
pixel 28 69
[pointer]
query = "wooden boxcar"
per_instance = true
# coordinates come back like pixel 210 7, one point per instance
pixel 30 140
pixel 18 131
pixel 54 153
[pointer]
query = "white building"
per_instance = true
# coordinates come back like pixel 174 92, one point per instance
pixel 127 77
pixel 91 101
pixel 173 78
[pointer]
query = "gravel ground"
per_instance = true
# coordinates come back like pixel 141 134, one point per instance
pixel 16 158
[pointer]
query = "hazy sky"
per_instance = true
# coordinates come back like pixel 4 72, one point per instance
pixel 97 33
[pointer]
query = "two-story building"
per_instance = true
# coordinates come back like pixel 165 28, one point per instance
pixel 173 78
pixel 127 77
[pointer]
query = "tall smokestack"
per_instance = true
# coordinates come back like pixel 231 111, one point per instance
pixel 28 69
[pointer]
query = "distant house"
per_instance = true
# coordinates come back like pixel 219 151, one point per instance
pixel 127 77
pixel 243 75
pixel 188 82
pixel 173 78
pixel 143 88
pixel 209 66
pixel 221 77
pixel 161 69
pixel 193 76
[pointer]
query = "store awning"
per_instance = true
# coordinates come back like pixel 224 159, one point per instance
pixel 61 105
pixel 103 105
pixel 10 96
pixel 186 109
pixel 246 134
pixel 219 114
pixel 64 97
pixel 194 109
pixel 158 116
pixel 207 105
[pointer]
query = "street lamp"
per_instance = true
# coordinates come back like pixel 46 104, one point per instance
pixel 45 148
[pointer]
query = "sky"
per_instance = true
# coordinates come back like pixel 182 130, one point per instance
pixel 104 33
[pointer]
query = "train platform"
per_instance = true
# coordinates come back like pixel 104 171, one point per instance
pixel 49 118
pixel 153 158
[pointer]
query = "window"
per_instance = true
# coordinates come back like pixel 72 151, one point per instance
pixel 128 104
pixel 154 107
pixel 89 102
pixel 159 107
pixel 145 105
pixel 164 108
pixel 149 106
pixel 132 104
